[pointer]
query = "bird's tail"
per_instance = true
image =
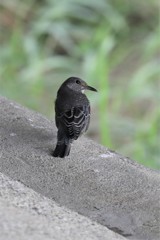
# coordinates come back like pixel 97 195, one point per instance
pixel 62 149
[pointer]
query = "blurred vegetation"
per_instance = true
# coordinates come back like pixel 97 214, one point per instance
pixel 113 45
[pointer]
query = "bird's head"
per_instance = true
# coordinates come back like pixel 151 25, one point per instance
pixel 77 84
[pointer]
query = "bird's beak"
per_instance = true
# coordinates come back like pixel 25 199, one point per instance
pixel 90 88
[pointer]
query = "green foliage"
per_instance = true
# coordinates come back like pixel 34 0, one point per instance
pixel 114 45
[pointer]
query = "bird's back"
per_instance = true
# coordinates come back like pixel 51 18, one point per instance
pixel 66 99
pixel 72 113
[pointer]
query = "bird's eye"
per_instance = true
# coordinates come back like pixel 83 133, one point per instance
pixel 78 82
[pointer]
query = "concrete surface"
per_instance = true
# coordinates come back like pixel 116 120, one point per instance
pixel 93 181
pixel 26 215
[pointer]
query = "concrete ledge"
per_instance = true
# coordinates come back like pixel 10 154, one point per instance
pixel 27 215
pixel 93 181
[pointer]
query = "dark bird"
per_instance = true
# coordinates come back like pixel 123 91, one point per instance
pixel 72 118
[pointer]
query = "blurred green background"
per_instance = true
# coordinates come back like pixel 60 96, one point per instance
pixel 113 45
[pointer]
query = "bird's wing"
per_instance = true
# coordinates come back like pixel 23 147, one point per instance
pixel 75 121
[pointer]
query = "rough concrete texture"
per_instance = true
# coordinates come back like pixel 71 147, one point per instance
pixel 26 215
pixel 93 181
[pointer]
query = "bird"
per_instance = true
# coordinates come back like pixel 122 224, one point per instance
pixel 72 114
